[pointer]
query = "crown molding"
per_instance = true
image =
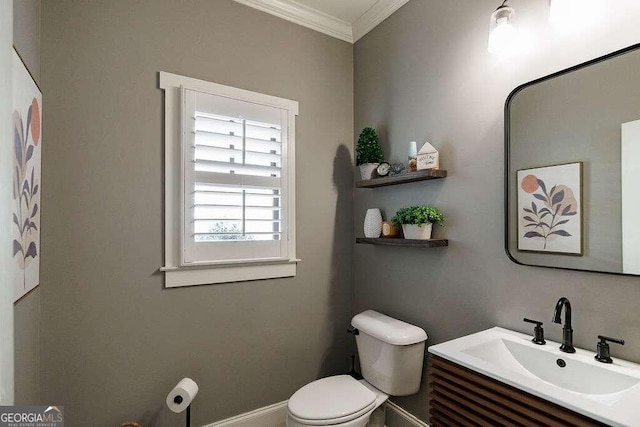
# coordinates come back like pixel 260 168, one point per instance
pixel 305 16
pixel 380 11
pixel 327 24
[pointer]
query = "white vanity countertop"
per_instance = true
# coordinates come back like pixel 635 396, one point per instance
pixel 510 357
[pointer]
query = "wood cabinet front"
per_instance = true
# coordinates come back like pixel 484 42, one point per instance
pixel 461 397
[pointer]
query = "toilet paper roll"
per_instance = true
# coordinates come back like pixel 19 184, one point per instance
pixel 182 394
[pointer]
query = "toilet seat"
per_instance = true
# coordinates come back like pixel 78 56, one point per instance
pixel 331 400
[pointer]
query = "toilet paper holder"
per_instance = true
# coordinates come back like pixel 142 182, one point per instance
pixel 178 400
pixel 180 397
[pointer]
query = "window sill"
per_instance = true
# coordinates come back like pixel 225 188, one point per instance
pixel 175 277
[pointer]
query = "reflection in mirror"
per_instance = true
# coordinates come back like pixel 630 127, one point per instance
pixel 630 171
pixel 573 167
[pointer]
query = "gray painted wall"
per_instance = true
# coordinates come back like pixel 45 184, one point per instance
pixel 26 40
pixel 578 117
pixel 113 341
pixel 423 74
pixel 27 349
pixel 26 34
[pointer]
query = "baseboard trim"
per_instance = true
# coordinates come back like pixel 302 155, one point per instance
pixel 276 414
pixel 268 416
pixel 410 419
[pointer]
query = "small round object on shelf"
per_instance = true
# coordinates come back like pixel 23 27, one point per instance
pixel 383 169
pixel 389 229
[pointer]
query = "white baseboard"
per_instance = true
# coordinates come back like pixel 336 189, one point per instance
pixel 407 418
pixel 275 416
pixel 270 416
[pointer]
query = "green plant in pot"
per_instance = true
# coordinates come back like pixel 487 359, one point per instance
pixel 417 221
pixel 368 152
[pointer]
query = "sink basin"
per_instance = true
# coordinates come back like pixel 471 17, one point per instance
pixel 575 376
pixel 607 393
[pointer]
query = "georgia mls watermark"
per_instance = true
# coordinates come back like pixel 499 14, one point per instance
pixel 31 416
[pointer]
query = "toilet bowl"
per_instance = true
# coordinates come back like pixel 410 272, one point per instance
pixel 340 400
pixel 391 354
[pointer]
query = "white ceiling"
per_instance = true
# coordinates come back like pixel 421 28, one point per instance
pixel 346 10
pixel 346 20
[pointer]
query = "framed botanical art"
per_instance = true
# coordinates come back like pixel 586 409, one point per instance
pixel 550 209
pixel 27 147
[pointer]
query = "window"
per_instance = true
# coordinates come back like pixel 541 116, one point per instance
pixel 230 183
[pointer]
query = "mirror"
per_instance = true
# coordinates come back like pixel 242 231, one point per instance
pixel 572 167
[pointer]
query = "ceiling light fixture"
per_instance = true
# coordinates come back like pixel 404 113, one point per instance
pixel 574 14
pixel 503 35
pixel 560 11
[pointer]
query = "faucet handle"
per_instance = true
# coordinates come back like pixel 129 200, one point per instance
pixel 535 322
pixel 604 339
pixel 603 355
pixel 538 332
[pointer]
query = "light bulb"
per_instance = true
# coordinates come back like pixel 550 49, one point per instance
pixel 503 35
pixel 502 38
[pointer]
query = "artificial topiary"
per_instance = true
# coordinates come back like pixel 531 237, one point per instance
pixel 418 215
pixel 368 149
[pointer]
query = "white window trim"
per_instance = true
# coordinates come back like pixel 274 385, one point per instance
pixel 177 275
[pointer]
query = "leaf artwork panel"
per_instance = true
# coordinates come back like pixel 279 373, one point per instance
pixel 27 148
pixel 550 209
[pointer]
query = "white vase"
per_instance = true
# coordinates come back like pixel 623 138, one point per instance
pixel 413 231
pixel 368 170
pixel 373 223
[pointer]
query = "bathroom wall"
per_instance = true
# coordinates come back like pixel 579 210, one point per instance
pixel 113 341
pixel 425 74
pixel 26 40
pixel 26 33
pixel 6 195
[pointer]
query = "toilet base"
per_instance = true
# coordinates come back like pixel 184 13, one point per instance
pixel 378 417
pixel 358 422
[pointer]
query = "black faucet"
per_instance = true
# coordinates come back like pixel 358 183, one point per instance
pixel 567 332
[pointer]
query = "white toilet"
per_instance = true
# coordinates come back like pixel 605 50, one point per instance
pixel 391 353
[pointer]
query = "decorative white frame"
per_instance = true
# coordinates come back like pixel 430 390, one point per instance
pixel 176 274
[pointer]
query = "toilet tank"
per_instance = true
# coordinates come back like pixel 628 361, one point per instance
pixel 391 352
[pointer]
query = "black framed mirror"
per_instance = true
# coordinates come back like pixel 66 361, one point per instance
pixel 572 167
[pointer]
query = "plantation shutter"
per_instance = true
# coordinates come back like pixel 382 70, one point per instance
pixel 235 197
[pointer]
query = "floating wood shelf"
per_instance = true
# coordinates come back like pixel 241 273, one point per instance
pixel 402 178
pixel 409 243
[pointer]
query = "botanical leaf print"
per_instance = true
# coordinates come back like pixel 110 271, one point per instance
pixel 546 215
pixel 25 185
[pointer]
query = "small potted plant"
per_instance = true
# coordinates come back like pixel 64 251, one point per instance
pixel 417 221
pixel 368 152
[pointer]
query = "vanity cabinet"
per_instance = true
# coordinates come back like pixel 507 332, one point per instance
pixel 462 397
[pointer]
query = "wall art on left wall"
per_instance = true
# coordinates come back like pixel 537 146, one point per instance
pixel 27 185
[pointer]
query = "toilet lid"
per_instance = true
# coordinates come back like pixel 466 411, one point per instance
pixel 329 398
